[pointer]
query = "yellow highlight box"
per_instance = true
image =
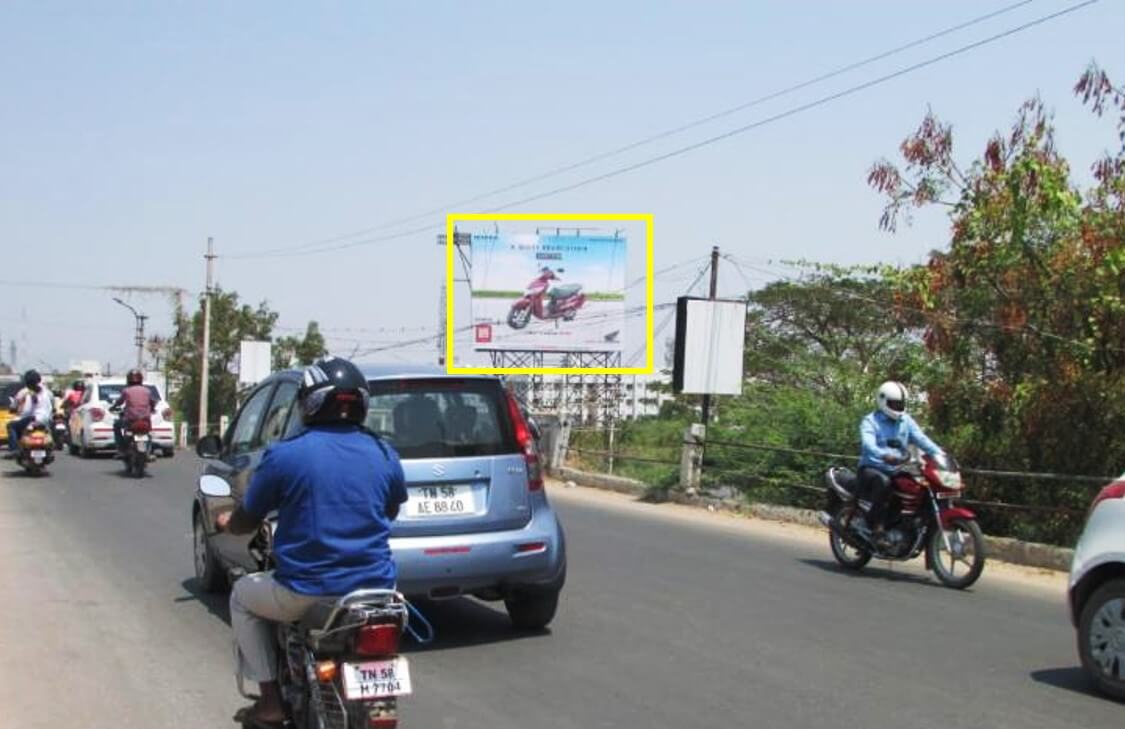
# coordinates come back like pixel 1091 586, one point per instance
pixel 451 221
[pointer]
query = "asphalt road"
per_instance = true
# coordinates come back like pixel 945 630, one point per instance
pixel 670 619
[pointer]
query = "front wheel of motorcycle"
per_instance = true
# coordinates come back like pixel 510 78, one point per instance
pixel 959 565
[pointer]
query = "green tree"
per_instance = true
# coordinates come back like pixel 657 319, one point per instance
pixel 231 322
pixel 1024 311
pixel 293 351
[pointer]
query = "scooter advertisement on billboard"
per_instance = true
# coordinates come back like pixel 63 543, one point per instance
pixel 554 292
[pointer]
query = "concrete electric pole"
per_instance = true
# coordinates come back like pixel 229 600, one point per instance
pixel 706 408
pixel 204 367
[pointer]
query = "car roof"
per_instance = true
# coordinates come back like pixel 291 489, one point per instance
pixel 392 371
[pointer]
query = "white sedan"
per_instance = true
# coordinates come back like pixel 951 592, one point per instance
pixel 91 423
pixel 1097 590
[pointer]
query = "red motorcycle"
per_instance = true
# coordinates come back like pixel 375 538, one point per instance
pixel 921 515
pixel 543 302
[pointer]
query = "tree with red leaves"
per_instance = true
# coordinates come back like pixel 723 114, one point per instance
pixel 1025 311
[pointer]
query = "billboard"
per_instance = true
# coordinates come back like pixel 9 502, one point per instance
pixel 548 292
pixel 710 337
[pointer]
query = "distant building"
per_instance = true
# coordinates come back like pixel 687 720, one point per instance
pixel 88 367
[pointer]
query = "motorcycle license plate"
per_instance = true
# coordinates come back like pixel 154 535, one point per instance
pixel 38 456
pixel 430 501
pixel 376 679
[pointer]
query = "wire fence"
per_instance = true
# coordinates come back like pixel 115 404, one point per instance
pixel 1063 497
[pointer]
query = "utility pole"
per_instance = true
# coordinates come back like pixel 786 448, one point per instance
pixel 441 327
pixel 706 409
pixel 204 368
pixel 139 336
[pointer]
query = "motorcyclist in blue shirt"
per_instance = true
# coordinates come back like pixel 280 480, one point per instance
pixel 884 435
pixel 336 489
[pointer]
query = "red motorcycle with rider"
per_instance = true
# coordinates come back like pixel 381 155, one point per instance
pixel 903 502
pixel 544 302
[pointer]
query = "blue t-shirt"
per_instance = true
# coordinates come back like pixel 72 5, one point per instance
pixel 331 486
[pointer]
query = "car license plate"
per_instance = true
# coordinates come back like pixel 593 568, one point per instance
pixel 426 501
pixel 376 679
pixel 39 455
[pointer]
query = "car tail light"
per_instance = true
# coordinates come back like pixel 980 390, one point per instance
pixel 97 414
pixel 166 413
pixel 377 640
pixel 526 442
pixel 1115 490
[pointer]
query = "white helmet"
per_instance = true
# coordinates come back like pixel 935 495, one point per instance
pixel 891 399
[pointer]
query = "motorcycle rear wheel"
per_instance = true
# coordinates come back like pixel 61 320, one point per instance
pixel 967 540
pixel 849 557
pixel 518 318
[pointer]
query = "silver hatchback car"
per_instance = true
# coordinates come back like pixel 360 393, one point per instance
pixel 477 521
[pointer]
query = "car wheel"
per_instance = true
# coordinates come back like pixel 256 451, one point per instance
pixel 532 611
pixel 1101 638
pixel 169 452
pixel 208 572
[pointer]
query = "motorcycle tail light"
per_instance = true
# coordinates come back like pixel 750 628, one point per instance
pixel 325 671
pixel 377 640
pixel 97 414
pixel 382 722
pixel 526 442
pixel 142 426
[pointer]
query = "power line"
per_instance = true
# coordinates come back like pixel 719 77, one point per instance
pixel 645 141
pixel 851 90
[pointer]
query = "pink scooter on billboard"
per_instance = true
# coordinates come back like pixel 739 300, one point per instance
pixel 544 302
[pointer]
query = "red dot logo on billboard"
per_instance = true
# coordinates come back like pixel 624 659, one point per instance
pixel 483 333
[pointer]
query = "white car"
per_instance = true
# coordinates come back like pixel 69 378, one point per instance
pixel 1097 590
pixel 91 423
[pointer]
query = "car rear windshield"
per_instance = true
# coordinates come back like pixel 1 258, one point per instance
pixel 441 418
pixel 110 393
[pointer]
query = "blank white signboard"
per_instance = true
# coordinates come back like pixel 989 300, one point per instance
pixel 254 361
pixel 714 340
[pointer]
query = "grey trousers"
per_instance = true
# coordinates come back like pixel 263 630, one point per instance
pixel 256 602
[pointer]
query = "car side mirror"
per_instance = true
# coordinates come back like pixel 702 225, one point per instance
pixel 209 446
pixel 214 486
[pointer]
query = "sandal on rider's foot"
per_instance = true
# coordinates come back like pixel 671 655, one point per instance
pixel 245 716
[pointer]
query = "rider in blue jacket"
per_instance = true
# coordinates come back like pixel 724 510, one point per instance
pixel 884 435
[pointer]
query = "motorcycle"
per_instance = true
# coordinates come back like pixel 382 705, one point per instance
pixel 36 449
pixel 136 446
pixel 922 515
pixel 562 302
pixel 339 665
pixel 59 429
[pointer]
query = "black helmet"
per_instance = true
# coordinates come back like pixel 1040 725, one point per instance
pixel 78 385
pixel 31 378
pixel 333 391
pixel 135 377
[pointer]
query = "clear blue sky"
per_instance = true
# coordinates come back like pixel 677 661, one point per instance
pixel 129 132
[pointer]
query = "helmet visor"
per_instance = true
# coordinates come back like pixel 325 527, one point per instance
pixel 897 405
